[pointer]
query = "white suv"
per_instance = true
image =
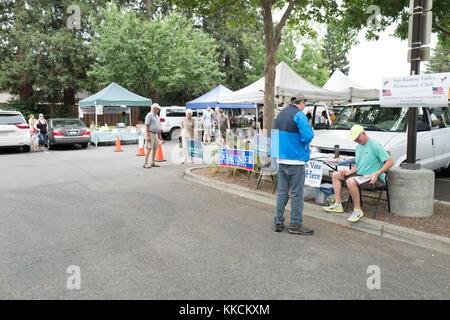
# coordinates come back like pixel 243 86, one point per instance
pixel 388 127
pixel 171 118
pixel 14 130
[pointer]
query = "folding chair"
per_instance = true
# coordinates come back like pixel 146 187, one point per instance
pixel 268 168
pixel 378 198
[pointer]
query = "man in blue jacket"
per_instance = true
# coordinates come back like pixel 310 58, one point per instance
pixel 291 137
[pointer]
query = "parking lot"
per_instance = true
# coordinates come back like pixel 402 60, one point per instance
pixel 137 233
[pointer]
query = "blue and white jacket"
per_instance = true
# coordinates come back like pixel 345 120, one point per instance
pixel 291 135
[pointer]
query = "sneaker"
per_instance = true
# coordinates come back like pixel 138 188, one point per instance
pixel 356 215
pixel 300 229
pixel 334 208
pixel 279 227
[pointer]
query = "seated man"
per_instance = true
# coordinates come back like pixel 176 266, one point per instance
pixel 372 161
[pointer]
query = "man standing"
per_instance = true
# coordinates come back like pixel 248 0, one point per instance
pixel 207 122
pixel 292 135
pixel 372 162
pixel 152 134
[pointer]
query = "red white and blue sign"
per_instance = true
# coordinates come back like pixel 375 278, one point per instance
pixel 234 158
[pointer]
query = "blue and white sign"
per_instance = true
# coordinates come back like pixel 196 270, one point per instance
pixel 195 148
pixel 313 173
pixel 233 158
pixel 261 145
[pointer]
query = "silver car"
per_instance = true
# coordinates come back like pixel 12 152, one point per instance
pixel 68 132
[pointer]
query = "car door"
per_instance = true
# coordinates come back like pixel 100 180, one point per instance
pixel 440 118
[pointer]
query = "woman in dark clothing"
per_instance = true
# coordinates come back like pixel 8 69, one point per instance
pixel 41 126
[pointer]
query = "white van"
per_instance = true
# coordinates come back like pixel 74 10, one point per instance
pixel 388 127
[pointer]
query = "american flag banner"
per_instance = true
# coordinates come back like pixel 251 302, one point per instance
pixel 387 93
pixel 438 90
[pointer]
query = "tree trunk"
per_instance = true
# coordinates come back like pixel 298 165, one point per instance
pixel 269 69
pixel 149 6
pixel 69 100
pixel 272 36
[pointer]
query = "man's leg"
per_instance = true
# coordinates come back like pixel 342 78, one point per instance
pixel 353 189
pixel 337 179
pixel 282 195
pixel 297 181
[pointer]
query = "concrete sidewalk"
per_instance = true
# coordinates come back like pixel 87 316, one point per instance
pixel 383 229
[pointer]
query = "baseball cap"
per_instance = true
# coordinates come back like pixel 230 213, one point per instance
pixel 155 105
pixel 355 131
pixel 297 100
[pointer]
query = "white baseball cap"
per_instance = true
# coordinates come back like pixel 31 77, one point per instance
pixel 155 105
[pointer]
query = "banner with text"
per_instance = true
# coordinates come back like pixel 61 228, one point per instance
pixel 233 158
pixel 426 90
pixel 313 173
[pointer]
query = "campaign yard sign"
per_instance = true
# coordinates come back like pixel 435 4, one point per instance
pixel 313 173
pixel 195 148
pixel 426 90
pixel 235 158
pixel 261 145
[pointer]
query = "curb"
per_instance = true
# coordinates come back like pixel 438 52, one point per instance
pixel 368 225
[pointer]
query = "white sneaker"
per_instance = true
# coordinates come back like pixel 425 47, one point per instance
pixel 356 215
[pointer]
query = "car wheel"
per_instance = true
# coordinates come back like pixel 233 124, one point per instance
pixel 174 133
pixel 26 148
pixel 84 146
pixel 446 171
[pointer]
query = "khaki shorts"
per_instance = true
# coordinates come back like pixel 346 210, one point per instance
pixel 367 185
pixel 153 142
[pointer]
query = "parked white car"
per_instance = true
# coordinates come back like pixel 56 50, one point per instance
pixel 14 130
pixel 388 127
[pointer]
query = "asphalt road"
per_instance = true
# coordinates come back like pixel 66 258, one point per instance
pixel 442 188
pixel 149 234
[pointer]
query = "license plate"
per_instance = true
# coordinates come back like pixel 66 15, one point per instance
pixel 4 133
pixel 73 133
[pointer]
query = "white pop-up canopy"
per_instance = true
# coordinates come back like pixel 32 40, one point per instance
pixel 287 84
pixel 339 82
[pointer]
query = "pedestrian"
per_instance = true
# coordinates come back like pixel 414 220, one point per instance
pixel 261 120
pixel 372 162
pixel 33 133
pixel 207 124
pixel 293 135
pixel 224 124
pixel 152 135
pixel 187 135
pixel 309 116
pixel 41 127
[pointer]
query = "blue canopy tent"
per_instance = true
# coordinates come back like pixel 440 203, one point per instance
pixel 211 98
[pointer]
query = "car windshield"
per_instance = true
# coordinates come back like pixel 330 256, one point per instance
pixel 372 118
pixel 67 123
pixel 11 119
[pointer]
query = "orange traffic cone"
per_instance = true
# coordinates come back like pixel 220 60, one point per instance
pixel 118 147
pixel 141 151
pixel 159 153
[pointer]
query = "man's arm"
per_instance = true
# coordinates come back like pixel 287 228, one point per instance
pixel 305 130
pixel 389 163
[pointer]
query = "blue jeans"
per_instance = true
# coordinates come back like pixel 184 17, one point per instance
pixel 290 177
pixel 42 139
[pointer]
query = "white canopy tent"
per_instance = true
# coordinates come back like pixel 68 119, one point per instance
pixel 287 84
pixel 339 82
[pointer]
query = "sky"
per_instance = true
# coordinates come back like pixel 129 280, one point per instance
pixel 370 61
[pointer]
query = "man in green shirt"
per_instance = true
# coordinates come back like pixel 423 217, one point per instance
pixel 372 162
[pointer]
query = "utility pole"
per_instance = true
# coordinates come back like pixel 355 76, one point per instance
pixel 419 35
